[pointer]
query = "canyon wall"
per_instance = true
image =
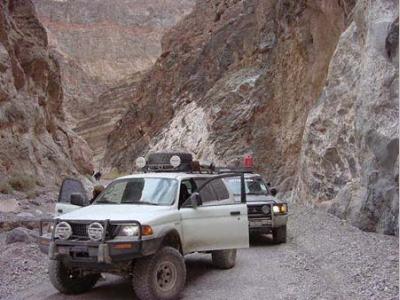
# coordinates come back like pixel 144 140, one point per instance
pixel 33 136
pixel 349 159
pixel 102 47
pixel 238 77
pixel 234 77
pixel 110 40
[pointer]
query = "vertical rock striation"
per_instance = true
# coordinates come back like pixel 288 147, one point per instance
pixel 241 77
pixel 349 158
pixel 33 135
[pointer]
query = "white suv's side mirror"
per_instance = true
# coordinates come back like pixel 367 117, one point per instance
pixel 195 200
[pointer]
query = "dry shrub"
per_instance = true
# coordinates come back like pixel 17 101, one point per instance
pixel 22 182
pixel 5 187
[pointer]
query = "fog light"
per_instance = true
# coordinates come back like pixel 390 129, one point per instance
pixel 95 231
pixel 63 231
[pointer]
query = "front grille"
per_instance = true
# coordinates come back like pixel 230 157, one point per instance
pixel 80 230
pixel 255 211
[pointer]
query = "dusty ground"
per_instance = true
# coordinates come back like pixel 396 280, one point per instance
pixel 324 258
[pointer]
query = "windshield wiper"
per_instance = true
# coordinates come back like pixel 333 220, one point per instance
pixel 143 202
pixel 258 194
pixel 104 202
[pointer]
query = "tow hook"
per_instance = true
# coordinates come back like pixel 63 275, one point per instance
pixel 51 253
pixel 103 255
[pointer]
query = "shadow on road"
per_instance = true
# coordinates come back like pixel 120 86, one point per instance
pixel 197 265
pixel 114 288
pixel 262 240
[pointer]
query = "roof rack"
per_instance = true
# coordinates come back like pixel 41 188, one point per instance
pixel 222 170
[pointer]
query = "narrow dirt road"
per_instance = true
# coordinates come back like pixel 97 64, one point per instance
pixel 324 258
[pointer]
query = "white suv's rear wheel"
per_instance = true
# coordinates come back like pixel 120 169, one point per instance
pixel 224 259
pixel 160 276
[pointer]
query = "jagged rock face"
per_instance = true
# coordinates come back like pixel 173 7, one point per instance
pixel 80 90
pixel 110 40
pixel 99 45
pixel 104 113
pixel 349 159
pixel 33 136
pixel 234 77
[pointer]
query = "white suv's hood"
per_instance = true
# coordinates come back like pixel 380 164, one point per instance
pixel 145 214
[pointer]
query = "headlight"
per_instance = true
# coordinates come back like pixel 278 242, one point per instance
pixel 129 230
pixel 275 209
pixel 280 209
pixel 63 231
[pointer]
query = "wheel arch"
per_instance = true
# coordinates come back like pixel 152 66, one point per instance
pixel 172 238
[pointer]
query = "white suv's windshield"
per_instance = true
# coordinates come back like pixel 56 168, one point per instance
pixel 150 191
pixel 254 186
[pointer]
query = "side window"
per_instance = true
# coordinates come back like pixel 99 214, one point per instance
pixel 214 193
pixel 189 186
pixel 220 189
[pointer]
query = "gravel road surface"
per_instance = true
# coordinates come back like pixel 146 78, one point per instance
pixel 324 258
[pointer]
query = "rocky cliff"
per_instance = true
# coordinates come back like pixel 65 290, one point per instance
pixel 101 47
pixel 349 160
pixel 235 77
pixel 103 115
pixel 238 77
pixel 110 40
pixel 33 137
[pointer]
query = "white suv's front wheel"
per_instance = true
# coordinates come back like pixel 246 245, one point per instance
pixel 160 276
pixel 68 281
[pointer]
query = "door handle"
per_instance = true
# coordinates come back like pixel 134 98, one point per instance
pixel 235 213
pixel 59 210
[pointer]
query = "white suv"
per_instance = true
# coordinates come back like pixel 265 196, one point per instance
pixel 141 226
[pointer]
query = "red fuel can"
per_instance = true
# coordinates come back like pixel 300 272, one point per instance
pixel 248 161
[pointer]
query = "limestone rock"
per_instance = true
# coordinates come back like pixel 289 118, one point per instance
pixel 350 149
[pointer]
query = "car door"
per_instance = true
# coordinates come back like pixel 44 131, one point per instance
pixel 69 186
pixel 218 223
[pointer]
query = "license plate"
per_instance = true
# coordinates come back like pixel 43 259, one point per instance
pixel 79 249
pixel 259 223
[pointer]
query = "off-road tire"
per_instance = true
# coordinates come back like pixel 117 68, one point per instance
pixel 224 259
pixel 59 276
pixel 146 275
pixel 279 234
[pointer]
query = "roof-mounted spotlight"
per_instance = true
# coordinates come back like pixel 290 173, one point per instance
pixel 175 161
pixel 140 162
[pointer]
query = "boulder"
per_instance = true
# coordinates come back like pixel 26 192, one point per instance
pixel 19 234
pixel 9 205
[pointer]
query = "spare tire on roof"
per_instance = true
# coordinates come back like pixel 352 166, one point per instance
pixel 163 159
